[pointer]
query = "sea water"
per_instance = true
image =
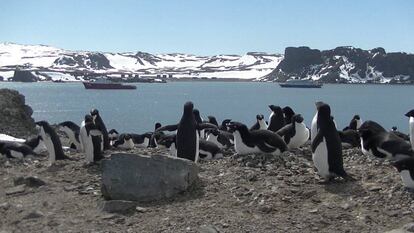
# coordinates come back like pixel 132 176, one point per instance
pixel 138 110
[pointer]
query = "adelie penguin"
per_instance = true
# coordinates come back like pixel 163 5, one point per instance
pixel 91 138
pixel 326 147
pixel 37 144
pixel 52 142
pixel 276 118
pixel 141 140
pixel 257 141
pixel 212 120
pixel 350 138
pixel 113 135
pixel 410 115
pixel 124 142
pixel 294 134
pixel 400 134
pixel 260 123
pixel 376 141
pixel 156 136
pixel 15 150
pixel 72 131
pixel 288 113
pixel 221 138
pixel 224 124
pixel 314 126
pixel 187 140
pixel 101 126
pixel 406 169
pixel 354 124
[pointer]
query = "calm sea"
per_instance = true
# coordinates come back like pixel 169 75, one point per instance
pixel 138 110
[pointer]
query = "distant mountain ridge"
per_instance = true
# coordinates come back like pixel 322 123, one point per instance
pixel 251 65
pixel 340 65
pixel 345 65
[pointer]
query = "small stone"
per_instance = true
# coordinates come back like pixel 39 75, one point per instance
pixel 313 211
pixel 375 188
pixel 117 206
pixel 266 209
pixel 16 190
pixel 345 206
pixel 109 216
pixel 208 229
pixel 30 181
pixel 141 209
pixel 70 188
pixel 5 206
pixel 34 214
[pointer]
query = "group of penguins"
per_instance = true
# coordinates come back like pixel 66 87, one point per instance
pixel 194 138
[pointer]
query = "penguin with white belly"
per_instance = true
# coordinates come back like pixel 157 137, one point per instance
pixel 294 134
pixel 187 140
pixel 256 141
pixel 260 123
pixel 101 127
pixel 124 142
pixel 327 148
pixel 410 115
pixel 72 131
pixel 91 138
pixel 52 142
pixel 15 150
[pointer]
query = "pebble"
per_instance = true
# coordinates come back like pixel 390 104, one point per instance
pixel 141 209
pixel 5 206
pixel 16 189
pixel 208 229
pixel 313 211
pixel 34 214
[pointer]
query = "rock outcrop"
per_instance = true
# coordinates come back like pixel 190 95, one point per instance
pixel 146 178
pixel 345 65
pixel 24 76
pixel 15 115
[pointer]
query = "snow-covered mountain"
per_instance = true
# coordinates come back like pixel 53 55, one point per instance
pixel 47 60
pixel 345 65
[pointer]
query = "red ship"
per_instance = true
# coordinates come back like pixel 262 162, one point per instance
pixel 105 84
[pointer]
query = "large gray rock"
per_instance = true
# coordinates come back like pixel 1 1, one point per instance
pixel 146 178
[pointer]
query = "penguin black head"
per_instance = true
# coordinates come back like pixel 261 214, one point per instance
pixel 237 126
pixel 43 124
pixel 297 118
pixel 113 131
pixel 319 104
pixel 288 111
pixel 157 125
pixel 404 164
pixel 127 137
pixel 394 128
pixel 94 112
pixel 188 107
pixel 324 111
pixel 410 113
pixel 356 117
pixel 226 121
pixel 88 119
pixel 275 109
pixel 212 120
pixel 259 117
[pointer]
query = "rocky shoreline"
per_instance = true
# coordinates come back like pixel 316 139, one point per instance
pixel 254 193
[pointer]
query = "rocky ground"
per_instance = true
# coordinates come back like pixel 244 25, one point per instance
pixel 257 193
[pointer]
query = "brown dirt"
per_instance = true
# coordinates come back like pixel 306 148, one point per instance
pixel 254 193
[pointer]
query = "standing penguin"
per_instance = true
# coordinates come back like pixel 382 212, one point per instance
pixel 72 131
pixel 101 126
pixel 288 114
pixel 314 126
pixel 410 114
pixel 91 138
pixel 326 146
pixel 187 139
pixel 52 142
pixel 276 119
pixel 113 135
pixel 295 134
pixel 260 123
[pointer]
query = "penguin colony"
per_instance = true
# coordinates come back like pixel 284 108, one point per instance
pixel 193 138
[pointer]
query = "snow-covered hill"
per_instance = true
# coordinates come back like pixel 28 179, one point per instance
pixel 43 59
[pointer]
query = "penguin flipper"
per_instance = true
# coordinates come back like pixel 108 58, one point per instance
pixel 316 141
pixel 167 128
pixel 206 126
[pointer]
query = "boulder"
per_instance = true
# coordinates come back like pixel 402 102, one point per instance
pixel 146 178
pixel 15 116
pixel 24 76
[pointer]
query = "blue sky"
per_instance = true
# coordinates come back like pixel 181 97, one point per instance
pixel 208 27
